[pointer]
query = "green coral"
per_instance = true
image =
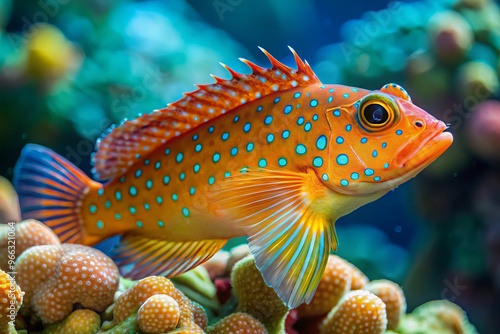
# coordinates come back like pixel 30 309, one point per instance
pixel 438 316
pixel 256 298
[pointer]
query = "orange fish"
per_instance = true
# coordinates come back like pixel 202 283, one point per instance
pixel 274 155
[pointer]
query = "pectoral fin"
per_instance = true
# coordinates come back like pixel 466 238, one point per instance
pixel 289 235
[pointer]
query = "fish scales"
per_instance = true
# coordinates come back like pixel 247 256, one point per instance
pixel 274 155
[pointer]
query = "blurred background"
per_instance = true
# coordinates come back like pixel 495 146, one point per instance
pixel 69 69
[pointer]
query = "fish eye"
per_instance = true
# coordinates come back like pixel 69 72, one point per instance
pixel 376 112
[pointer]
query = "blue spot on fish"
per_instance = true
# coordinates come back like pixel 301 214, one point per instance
pixel 282 162
pixel 196 168
pixel 313 103
pixel 336 113
pixel 234 151
pixel 198 148
pixel 262 163
pixel 285 134
pixel 399 132
pixel 216 157
pixel 250 147
pixel 288 109
pixel 369 172
pixel 225 136
pixel 321 142
pixel 318 162
pixel 296 95
pixel 270 138
pixel 132 191
pixel 268 120
pixel 354 176
pixel 247 127
pixel 339 140
pixel 344 182
pixel 342 159
pixel 179 157
pixel 348 127
pixel 363 140
pixel 300 149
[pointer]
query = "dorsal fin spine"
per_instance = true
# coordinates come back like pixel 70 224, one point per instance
pixel 125 144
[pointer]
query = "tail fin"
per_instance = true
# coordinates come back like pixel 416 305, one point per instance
pixel 50 189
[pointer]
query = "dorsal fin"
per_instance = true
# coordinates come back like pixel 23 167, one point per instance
pixel 125 144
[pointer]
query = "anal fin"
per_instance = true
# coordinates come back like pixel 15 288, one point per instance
pixel 290 232
pixel 138 256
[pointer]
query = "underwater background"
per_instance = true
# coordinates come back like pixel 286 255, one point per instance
pixel 70 69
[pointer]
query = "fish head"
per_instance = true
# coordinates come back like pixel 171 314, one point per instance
pixel 379 140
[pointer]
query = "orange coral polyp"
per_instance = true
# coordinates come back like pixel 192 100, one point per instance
pixel 55 277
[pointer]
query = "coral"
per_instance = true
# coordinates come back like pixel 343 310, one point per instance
pixel 216 265
pixel 131 300
pixel 50 55
pixel 28 233
pixel 81 321
pixel 237 323
pixel 9 205
pixel 235 254
pixel 477 79
pixel 393 297
pixel 256 298
pixel 450 34
pixel 358 278
pixel 483 130
pixel 334 284
pixel 55 277
pixel 197 286
pixel 158 314
pixel 359 311
pixel 438 316
pixel 11 298
pixel 199 315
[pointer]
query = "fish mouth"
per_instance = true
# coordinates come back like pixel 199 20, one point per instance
pixel 419 153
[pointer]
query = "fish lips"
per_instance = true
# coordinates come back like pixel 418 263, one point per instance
pixel 423 150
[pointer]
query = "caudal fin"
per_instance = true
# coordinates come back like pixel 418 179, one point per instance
pixel 50 189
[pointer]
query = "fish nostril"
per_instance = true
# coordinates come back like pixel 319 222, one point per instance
pixel 419 124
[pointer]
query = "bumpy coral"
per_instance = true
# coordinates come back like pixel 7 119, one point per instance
pixel 79 322
pixel 55 277
pixel 393 298
pixel 11 298
pixel 132 299
pixel 359 311
pixel 334 284
pixel 256 298
pixel 27 233
pixel 237 323
pixel 9 204
pixel 358 278
pixel 483 130
pixel 199 315
pixel 158 314
pixel 438 316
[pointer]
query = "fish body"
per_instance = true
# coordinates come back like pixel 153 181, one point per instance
pixel 274 155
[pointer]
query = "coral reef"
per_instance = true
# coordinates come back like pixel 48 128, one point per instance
pixel 28 233
pixel 158 314
pixel 127 309
pixel 81 321
pixel 392 296
pixel 334 284
pixel 256 298
pixel 241 323
pixel 359 311
pixel 439 316
pixel 9 205
pixel 11 299
pixel 55 277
